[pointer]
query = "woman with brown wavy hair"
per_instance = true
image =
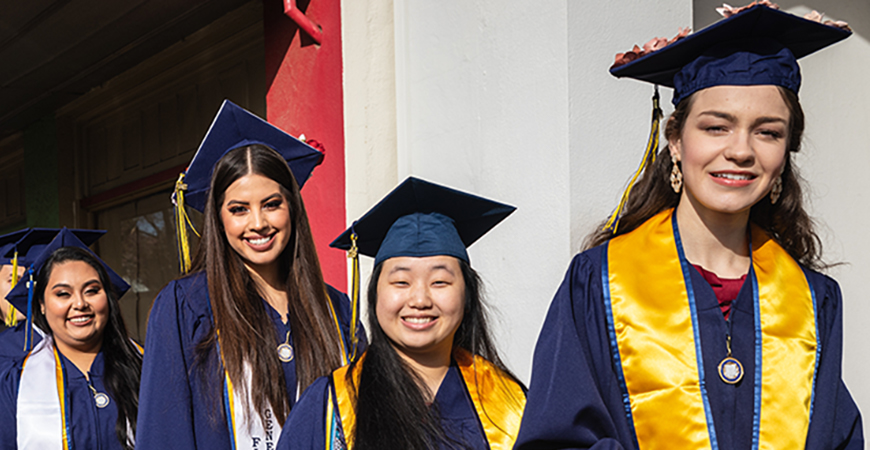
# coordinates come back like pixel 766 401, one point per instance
pixel 698 318
pixel 231 345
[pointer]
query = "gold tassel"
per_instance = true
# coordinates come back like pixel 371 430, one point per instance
pixel 353 254
pixel 649 158
pixel 11 316
pixel 182 221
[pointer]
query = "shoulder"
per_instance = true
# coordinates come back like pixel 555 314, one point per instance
pixel 341 304
pixel 189 292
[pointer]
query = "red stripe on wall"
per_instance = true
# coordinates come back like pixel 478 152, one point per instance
pixel 304 95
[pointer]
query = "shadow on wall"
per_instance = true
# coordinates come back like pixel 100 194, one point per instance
pixel 856 13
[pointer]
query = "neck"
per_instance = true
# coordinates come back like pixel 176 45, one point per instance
pixel 81 356
pixel 717 241
pixel 431 367
pixel 271 286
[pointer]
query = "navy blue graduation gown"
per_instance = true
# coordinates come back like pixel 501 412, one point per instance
pixel 306 426
pixel 177 408
pixel 12 341
pixel 575 400
pixel 92 427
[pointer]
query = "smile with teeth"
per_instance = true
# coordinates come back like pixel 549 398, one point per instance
pixel 734 176
pixel 80 319
pixel 418 319
pixel 259 241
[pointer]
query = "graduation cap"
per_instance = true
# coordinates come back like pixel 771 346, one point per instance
pixel 418 219
pixel 7 245
pixel 234 127
pixel 34 240
pixel 21 296
pixel 758 45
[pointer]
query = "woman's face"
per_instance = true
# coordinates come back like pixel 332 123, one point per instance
pixel 420 304
pixel 76 306
pixel 732 147
pixel 256 219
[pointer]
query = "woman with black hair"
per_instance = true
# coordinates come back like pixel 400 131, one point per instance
pixel 78 388
pixel 231 345
pixel 432 377
pixel 697 317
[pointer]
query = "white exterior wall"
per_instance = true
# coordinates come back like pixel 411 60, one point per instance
pixel 512 100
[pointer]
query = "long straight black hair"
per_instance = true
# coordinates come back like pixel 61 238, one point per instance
pixel 246 331
pixel 391 396
pixel 122 360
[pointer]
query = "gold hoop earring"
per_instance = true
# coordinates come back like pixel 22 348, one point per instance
pixel 676 176
pixel 776 190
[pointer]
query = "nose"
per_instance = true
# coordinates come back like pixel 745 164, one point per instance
pixel 259 221
pixel 740 150
pixel 79 302
pixel 420 298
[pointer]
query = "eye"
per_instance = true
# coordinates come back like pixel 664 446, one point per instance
pixel 236 209
pixel 61 294
pixel 715 129
pixel 772 134
pixel 93 290
pixel 274 204
pixel 440 283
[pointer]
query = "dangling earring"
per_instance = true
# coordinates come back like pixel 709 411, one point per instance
pixel 776 190
pixel 676 176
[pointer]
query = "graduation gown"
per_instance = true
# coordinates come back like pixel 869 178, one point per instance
pixel 176 407
pixel 306 425
pixel 12 341
pixel 576 400
pixel 91 427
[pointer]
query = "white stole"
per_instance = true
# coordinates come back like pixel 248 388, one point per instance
pixel 40 417
pixel 249 430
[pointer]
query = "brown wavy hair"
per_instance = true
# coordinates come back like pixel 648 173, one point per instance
pixel 246 331
pixel 786 221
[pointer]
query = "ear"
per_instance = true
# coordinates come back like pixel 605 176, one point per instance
pixel 675 145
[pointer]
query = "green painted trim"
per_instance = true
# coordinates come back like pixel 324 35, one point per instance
pixel 40 172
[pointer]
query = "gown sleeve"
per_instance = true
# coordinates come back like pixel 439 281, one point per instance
pixel 572 380
pixel 305 428
pixel 165 418
pixel 9 376
pixel 836 421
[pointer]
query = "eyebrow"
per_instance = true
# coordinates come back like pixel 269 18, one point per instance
pixel 85 284
pixel 270 197
pixel 732 118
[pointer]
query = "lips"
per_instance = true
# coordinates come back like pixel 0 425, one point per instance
pixel 733 179
pixel 81 320
pixel 419 322
pixel 260 243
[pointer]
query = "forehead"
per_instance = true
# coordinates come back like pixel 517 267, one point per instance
pixel 252 185
pixel 426 263
pixel 69 271
pixel 762 100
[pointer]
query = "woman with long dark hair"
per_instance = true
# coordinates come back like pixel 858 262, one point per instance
pixel 79 387
pixel 230 346
pixel 432 377
pixel 698 318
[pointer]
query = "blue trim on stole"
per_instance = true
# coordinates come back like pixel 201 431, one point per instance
pixel 67 421
pixel 687 278
pixel 617 361
pixel 818 343
pixel 228 412
pixel 756 310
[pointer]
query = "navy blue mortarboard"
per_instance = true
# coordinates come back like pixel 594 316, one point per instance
pixel 34 240
pixel 235 127
pixel 418 219
pixel 21 296
pixel 7 245
pixel 757 46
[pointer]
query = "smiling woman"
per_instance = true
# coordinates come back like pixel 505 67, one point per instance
pixel 231 345
pixel 701 302
pixel 432 377
pixel 79 386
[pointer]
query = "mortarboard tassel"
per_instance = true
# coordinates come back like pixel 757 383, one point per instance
pixel 649 158
pixel 182 221
pixel 11 316
pixel 28 330
pixel 353 254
